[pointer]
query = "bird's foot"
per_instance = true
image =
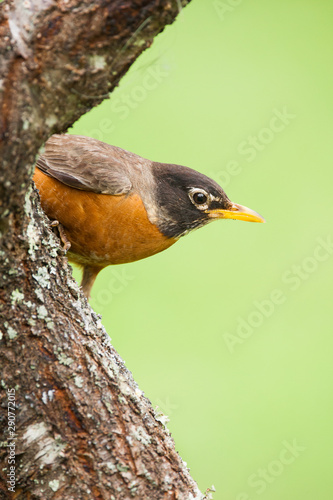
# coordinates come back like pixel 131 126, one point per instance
pixel 63 237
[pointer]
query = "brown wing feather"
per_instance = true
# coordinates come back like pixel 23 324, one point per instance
pixel 87 164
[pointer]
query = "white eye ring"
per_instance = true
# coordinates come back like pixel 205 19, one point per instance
pixel 195 191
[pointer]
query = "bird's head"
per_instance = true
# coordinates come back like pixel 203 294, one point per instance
pixel 189 200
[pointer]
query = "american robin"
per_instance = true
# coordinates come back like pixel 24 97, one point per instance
pixel 114 206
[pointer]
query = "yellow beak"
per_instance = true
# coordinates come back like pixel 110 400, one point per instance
pixel 236 212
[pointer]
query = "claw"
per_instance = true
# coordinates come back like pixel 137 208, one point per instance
pixel 62 234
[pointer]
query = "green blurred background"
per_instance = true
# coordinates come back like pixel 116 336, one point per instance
pixel 229 332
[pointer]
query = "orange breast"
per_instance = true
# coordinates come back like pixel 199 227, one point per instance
pixel 101 228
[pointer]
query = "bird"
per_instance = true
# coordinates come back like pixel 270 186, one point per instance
pixel 113 206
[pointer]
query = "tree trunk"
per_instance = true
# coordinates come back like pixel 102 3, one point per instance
pixel 74 424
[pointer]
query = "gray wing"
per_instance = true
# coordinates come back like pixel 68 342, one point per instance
pixel 87 164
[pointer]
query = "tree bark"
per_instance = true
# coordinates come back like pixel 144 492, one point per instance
pixel 72 418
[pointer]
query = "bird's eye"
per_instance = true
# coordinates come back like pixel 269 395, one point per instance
pixel 200 198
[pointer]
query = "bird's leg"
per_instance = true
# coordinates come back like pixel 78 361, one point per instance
pixel 63 237
pixel 88 278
